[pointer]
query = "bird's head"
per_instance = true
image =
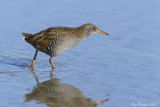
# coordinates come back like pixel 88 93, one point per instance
pixel 92 29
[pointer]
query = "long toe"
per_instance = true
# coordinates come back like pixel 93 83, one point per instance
pixel 32 64
pixel 53 67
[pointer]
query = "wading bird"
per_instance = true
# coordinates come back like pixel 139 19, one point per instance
pixel 55 40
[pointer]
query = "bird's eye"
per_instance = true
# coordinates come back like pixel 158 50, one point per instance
pixel 94 28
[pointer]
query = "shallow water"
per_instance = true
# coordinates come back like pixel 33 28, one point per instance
pixel 123 68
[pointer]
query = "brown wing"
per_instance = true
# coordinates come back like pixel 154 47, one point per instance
pixel 51 35
pixel 45 40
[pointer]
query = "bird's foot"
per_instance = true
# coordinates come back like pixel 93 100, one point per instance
pixel 31 65
pixel 52 65
pixel 101 102
pixel 53 68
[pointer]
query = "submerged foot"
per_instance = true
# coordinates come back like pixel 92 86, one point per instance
pixel 32 64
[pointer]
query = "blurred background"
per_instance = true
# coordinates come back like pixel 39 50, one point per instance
pixel 123 67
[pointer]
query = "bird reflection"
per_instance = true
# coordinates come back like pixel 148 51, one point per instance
pixel 56 94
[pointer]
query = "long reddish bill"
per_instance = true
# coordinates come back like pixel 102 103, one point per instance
pixel 101 102
pixel 99 31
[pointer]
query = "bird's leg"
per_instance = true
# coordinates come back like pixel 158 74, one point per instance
pixel 50 60
pixel 33 61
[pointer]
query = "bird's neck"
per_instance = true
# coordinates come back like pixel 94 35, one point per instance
pixel 82 31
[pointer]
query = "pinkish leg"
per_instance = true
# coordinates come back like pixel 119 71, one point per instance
pixel 50 60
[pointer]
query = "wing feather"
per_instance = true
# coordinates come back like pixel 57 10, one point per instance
pixel 46 41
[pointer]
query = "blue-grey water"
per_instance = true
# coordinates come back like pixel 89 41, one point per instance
pixel 124 68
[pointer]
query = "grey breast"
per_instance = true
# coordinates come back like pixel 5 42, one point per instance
pixel 60 45
pixel 66 44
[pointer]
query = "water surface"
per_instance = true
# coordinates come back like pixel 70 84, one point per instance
pixel 123 68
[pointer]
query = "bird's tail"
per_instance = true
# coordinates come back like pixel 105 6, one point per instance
pixel 23 38
pixel 26 35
